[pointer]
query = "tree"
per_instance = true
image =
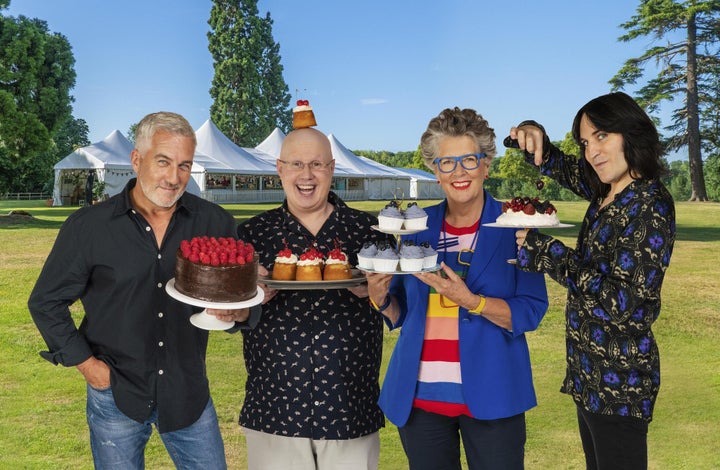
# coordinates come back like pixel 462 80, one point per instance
pixel 36 76
pixel 688 69
pixel 250 97
pixel 72 135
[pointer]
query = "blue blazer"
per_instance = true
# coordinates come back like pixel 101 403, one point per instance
pixel 494 362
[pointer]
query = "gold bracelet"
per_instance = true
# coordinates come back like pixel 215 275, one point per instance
pixel 478 310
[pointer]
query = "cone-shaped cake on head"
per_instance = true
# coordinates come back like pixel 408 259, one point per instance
pixel 303 115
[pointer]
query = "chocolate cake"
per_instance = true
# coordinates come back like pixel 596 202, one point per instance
pixel 213 280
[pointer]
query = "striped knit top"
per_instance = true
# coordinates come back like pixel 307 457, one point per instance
pixel 439 388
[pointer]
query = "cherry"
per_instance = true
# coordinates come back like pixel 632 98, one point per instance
pixel 539 184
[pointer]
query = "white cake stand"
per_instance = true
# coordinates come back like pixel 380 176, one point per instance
pixel 203 319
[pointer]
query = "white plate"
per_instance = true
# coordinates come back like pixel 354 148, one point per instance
pixel 170 288
pixel 203 319
pixel 495 224
pixel 424 270
pixel 402 231
pixel 356 280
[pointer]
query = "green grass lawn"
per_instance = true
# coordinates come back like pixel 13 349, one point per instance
pixel 42 408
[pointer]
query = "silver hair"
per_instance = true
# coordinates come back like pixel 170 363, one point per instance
pixel 162 121
pixel 456 122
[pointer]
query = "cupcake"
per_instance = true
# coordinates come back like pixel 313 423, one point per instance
pixel 390 217
pixel 310 266
pixel 285 265
pixel 430 260
pixel 415 217
pixel 366 254
pixel 386 260
pixel 411 257
pixel 336 266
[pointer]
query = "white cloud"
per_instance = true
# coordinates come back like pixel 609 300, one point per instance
pixel 373 101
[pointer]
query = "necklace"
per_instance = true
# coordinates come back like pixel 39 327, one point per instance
pixel 465 255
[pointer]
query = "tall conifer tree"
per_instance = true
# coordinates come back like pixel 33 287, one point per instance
pixel 250 97
pixel 688 63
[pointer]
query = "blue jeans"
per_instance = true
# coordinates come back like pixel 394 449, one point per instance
pixel 432 442
pixel 118 442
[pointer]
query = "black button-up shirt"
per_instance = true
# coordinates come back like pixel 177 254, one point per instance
pixel 107 256
pixel 313 360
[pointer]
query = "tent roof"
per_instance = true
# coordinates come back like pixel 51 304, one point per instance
pixel 417 173
pixel 352 165
pixel 114 150
pixel 272 143
pixel 213 143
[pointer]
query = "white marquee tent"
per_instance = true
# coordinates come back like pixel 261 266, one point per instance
pixel 109 158
pixel 245 171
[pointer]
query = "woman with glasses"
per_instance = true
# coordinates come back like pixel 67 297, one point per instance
pixel 461 366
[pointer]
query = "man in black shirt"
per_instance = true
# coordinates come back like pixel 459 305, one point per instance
pixel 143 361
pixel 313 361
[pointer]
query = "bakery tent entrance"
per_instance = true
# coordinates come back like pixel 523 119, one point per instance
pixel 423 185
pixel 106 161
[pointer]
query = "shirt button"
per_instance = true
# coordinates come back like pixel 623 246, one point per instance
pixel 161 372
pixel 317 304
pixel 147 229
pixel 317 369
pixel 317 403
pixel 317 336
pixel 161 344
pixel 159 256
pixel 160 285
pixel 160 314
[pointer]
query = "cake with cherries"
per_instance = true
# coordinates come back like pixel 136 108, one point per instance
pixel 285 265
pixel 310 266
pixel 528 212
pixel 303 115
pixel 216 269
pixel 337 266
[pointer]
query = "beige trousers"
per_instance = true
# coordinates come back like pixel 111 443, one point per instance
pixel 272 452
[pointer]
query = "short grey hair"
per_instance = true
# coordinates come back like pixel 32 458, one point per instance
pixel 456 122
pixel 162 121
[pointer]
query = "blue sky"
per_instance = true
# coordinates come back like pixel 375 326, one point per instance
pixel 375 71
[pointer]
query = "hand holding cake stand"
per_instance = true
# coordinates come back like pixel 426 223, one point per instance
pixel 523 227
pixel 203 319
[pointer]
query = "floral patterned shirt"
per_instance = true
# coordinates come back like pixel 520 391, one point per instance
pixel 313 360
pixel 613 277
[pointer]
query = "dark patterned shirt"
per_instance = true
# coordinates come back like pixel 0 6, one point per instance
pixel 313 361
pixel 613 277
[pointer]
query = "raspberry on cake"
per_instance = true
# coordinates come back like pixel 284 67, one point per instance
pixel 303 115
pixel 336 265
pixel 216 269
pixel 528 212
pixel 309 267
